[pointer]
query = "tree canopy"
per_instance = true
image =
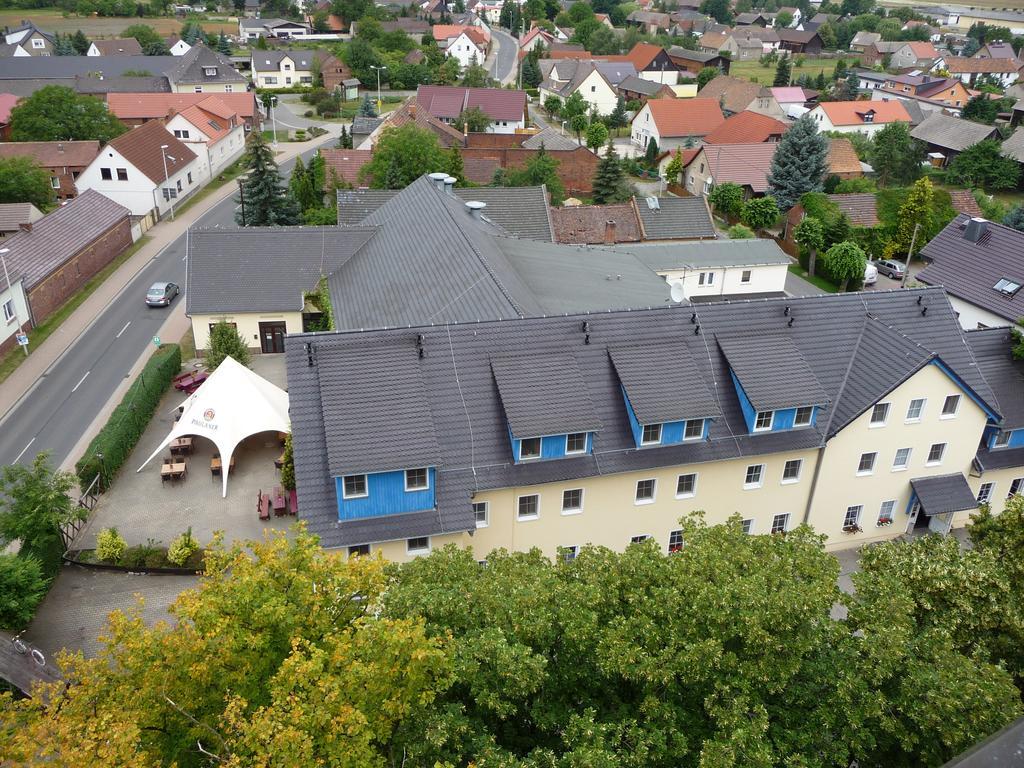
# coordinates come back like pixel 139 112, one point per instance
pixel 402 155
pixel 264 200
pixel 896 156
pixel 57 113
pixel 22 181
pixel 845 261
pixel 799 164
pixel 983 165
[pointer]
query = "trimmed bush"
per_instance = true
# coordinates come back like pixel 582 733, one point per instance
pixel 22 587
pixel 129 420
pixel 110 545
pixel 182 548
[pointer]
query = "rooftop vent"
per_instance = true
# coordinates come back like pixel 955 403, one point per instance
pixel 653 204
pixel 975 229
pixel 449 183
pixel 438 179
pixel 475 208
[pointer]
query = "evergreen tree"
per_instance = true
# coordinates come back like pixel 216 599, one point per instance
pixel 80 42
pixel 896 156
pixel 453 166
pixel 617 119
pixel 63 46
pixel 915 214
pixel 799 163
pixel 223 45
pixel 783 71
pixel 366 107
pixel 820 82
pixel 610 180
pixel 317 172
pixel 1015 218
pixel 225 341
pixel 265 200
pixel 531 73
pixel 651 153
pixel 393 176
pixel 295 180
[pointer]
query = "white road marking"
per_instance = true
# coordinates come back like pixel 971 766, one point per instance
pixel 80 381
pixel 23 450
pixel 123 329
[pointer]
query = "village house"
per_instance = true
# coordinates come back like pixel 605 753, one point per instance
pixel 866 117
pixel 63 160
pixel 506 108
pixel 675 123
pixel 969 71
pixel 595 80
pixel 946 137
pixel 466 44
pixel 118 46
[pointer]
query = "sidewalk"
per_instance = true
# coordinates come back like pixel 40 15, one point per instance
pixel 163 234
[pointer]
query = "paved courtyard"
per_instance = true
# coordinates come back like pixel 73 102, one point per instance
pixel 142 507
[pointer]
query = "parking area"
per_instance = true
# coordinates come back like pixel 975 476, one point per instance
pixel 889 284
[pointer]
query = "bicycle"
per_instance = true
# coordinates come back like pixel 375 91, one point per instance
pixel 24 648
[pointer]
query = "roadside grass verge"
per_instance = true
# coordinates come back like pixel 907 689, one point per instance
pixel 814 280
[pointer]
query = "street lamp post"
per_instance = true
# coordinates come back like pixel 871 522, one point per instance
pixel 379 102
pixel 170 197
pixel 10 289
pixel 273 118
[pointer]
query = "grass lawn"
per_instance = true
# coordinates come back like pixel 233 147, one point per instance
pixel 53 20
pixel 226 176
pixel 819 282
pixel 9 363
pixel 282 135
pixel 752 70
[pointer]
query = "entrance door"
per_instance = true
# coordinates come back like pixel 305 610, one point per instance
pixel 914 512
pixel 272 337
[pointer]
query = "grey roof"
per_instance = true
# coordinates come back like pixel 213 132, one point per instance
pixel 772 372
pixel 711 297
pixel 676 218
pixel 471 429
pixel 1001 748
pixel 717 253
pixel 13 215
pixel 943 493
pixel 50 67
pixel 191 68
pixel 685 53
pixel 951 132
pixel 1001 458
pixel 676 393
pixel 551 139
pixel 970 271
pixel 364 126
pixel 270 61
pixel 1003 372
pixel 354 205
pixel 59 235
pixel 1014 146
pixel 120 84
pixel 639 85
pixel 544 395
pixel 222 277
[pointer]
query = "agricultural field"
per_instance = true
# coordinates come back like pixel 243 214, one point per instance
pixel 752 70
pixel 52 20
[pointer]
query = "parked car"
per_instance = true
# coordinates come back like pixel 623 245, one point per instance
pixel 161 294
pixel 889 268
pixel 870 274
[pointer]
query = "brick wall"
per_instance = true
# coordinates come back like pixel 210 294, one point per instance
pixel 67 188
pixel 575 166
pixel 60 285
pixel 495 140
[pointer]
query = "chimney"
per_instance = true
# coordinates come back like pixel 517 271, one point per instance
pixel 438 179
pixel 26 226
pixel 412 110
pixel 475 208
pixel 449 183
pixel 975 229
pixel 609 232
pixel 60 148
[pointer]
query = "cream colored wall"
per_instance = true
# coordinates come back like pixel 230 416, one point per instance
pixel 1002 478
pixel 397 552
pixel 839 486
pixel 602 98
pixel 694 177
pixel 248 325
pixel 210 88
pixel 764 278
pixel 610 516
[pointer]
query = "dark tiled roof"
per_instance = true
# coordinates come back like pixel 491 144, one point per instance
pixel 952 132
pixel 58 236
pixel 1002 458
pixel 677 393
pixel 191 68
pixel 119 46
pixel 551 139
pixel 222 276
pixel 772 372
pixel 944 493
pixel 717 253
pixel 469 422
pixel 636 84
pixel 141 147
pixel 449 101
pixel 544 395
pixel 1003 372
pixel 49 67
pixel 970 271
pixel 675 218
pixel 363 126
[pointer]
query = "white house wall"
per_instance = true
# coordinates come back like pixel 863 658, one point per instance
pixel 138 193
pixel 971 316
pixel 764 278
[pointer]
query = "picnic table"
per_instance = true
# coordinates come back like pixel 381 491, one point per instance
pixel 216 466
pixel 189 382
pixel 181 445
pixel 175 470
pixel 279 505
pixel 293 502
pixel 263 505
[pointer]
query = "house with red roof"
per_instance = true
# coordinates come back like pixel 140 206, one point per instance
pixel 968 71
pixel 652 62
pixel 139 108
pixel 747 128
pixel 466 43
pixel 506 108
pixel 866 117
pixel 212 130
pixel 675 122
pixel 743 164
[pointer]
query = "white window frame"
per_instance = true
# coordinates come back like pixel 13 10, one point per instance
pixel 639 538
pixel 578 450
pixel 706 279
pixel 532 457
pixel 920 413
pixel 409 550
pixel 929 461
pixel 572 510
pixel 747 525
pixel 905 465
pixel 686 428
pixel 366 487
pixel 38 43
pixel 644 428
pixel 9 313
pixel 677 545
pixel 485 507
pixel 1015 486
pixel 883 516
pixel 797 422
pixel 854 511
pixel 745 276
pixel 956 409
pixel 799 471
pixel 996 443
pixel 570 552
pixel 751 484
pixel 861 472
pixel 519 505
pixel 686 494
pixel 654 491
pixel 985 492
pixel 785 523
pixel 424 487
pixel 886 408
pixel 757 420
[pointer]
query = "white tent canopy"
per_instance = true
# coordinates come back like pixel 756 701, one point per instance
pixel 232 404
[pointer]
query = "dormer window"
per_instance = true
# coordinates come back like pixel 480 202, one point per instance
pixel 210 71
pixel 763 422
pixel 694 429
pixel 1007 286
pixel 869 116
pixel 529 448
pixel 576 442
pixel 354 487
pixel 803 416
pixel 417 479
pixel 651 434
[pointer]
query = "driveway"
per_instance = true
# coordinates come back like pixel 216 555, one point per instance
pixel 797 286
pixel 888 284
pixel 289 113
pixel 502 61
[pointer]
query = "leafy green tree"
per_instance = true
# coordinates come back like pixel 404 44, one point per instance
pixel 740 232
pixel 845 261
pixel 915 216
pixel 474 120
pixel 57 113
pixel 1015 218
pixel 22 587
pixel 144 33
pixel 810 234
pixel 706 75
pixel 22 181
pixel 718 9
pixel 578 124
pixel 573 106
pixel 542 168
pixel 401 156
pixel 35 502
pixel 783 19
pixel 783 71
pixel 896 156
pixel 366 107
pixel 799 164
pixel 553 106
pixel 982 165
pixel 81 42
pixel 760 212
pixel 727 199
pixel 263 198
pixel 597 135
pixel 674 167
pixel 604 42
pixel 226 341
pixel 610 185
pixel 475 76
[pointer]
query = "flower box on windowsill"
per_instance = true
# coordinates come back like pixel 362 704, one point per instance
pixel 852 529
pixel 884 523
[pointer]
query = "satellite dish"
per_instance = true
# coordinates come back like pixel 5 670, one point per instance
pixel 676 292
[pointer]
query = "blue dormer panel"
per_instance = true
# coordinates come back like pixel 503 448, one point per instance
pixel 385 495
pixel 634 425
pixel 672 432
pixel 749 413
pixel 551 447
pixel 1016 438
pixel 786 419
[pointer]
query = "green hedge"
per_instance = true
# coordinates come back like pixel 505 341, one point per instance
pixel 129 420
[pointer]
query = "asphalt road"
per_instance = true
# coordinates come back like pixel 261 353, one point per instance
pixel 56 412
pixel 504 67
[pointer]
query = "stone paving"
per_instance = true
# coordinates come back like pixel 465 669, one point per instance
pixel 142 507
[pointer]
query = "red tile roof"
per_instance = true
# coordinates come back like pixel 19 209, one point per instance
pixel 743 164
pixel 588 224
pixel 964 202
pixel 685 117
pixel 141 147
pixel 958 64
pixel 842 158
pixel 53 154
pixel 746 128
pixel 213 125
pixel 450 101
pixel 923 50
pixel 852 112
pixel 346 163
pixel 147 106
pixel 643 54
